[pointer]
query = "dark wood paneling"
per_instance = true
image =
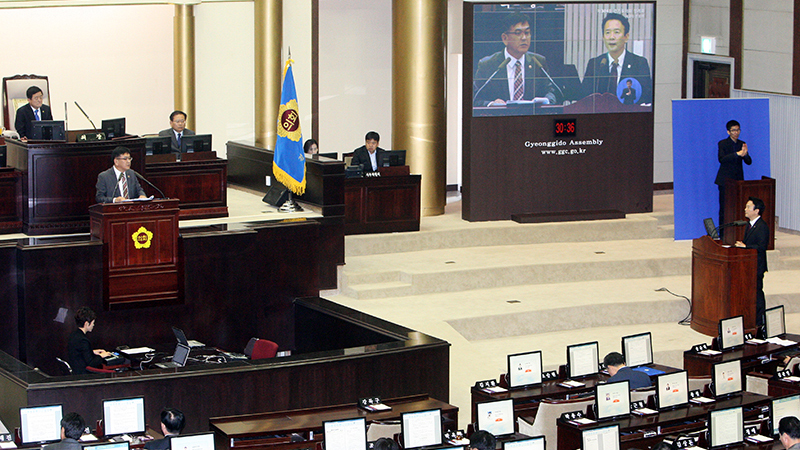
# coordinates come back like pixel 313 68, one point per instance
pixel 201 186
pixel 736 42
pixel 11 205
pixel 383 204
pixel 9 333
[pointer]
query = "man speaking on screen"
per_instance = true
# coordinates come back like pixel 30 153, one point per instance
pixel 514 73
pixel 604 73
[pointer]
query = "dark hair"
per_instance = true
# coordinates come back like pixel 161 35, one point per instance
pixel 509 20
pixel 386 444
pixel 731 124
pixel 173 420
pixel 33 90
pixel 84 314
pixel 663 445
pixel 482 440
pixel 308 144
pixel 373 135
pixel 176 112
pixel 758 204
pixel 73 425
pixel 613 359
pixel 789 426
pixel 622 19
pixel 119 151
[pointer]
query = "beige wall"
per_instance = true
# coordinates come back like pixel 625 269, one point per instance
pixel 767 47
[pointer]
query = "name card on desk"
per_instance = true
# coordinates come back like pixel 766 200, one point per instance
pixel 490 386
pixel 549 375
pixel 687 442
pixel 373 404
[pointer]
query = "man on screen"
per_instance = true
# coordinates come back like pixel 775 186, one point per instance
pixel 615 363
pixel 605 72
pixel 757 236
pixel 72 426
pixel 628 96
pixel 731 151
pixel 35 110
pixel 789 432
pixel 513 74
pixel 177 130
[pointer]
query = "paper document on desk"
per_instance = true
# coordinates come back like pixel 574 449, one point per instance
pixel 782 342
pixel 137 350
pixel 146 199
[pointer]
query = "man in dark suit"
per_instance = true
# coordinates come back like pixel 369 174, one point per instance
pixel 604 72
pixel 730 153
pixel 615 363
pixel 119 182
pixel 513 73
pixel 629 93
pixel 35 110
pixel 172 423
pixel 368 155
pixel 72 426
pixel 757 236
pixel 177 123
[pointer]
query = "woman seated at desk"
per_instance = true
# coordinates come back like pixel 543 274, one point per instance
pixel 79 349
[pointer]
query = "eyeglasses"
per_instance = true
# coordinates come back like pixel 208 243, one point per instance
pixel 125 158
pixel 519 32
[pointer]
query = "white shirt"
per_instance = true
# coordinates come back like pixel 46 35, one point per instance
pixel 511 71
pixel 620 62
pixel 373 158
pixel 753 222
pixel 117 173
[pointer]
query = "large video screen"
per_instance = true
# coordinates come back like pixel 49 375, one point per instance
pixel 561 58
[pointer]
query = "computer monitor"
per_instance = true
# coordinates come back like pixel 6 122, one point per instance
pixel 113 128
pixel 775 322
pixel 123 416
pixel 602 438
pixel 782 407
pixel 124 445
pixel 48 130
pixel 196 143
pixel 524 369
pixel 534 443
pixel 40 424
pixel 392 158
pixel 348 434
pixel 638 349
pixel 157 145
pixel 198 441
pixel 496 417
pixel 725 427
pixel 727 378
pixel 672 390
pixel 181 354
pixel 612 399
pixel 731 332
pixel 582 359
pixel 711 230
pixel 421 428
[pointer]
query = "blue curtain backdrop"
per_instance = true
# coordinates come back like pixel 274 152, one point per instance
pixel 697 126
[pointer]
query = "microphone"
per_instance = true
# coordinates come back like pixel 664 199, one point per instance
pixel 735 223
pixel 499 68
pixel 536 60
pixel 148 183
pixel 94 136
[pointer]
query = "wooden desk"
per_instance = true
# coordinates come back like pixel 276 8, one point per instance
pixel 260 430
pixel 384 204
pixel 674 421
pixel 10 204
pixel 199 181
pixel 526 400
pixel 700 365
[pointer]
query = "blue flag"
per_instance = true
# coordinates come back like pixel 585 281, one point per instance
pixel 289 164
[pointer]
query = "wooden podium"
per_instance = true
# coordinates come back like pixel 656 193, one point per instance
pixel 723 285
pixel 142 264
pixel 736 195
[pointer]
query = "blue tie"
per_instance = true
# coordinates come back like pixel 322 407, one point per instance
pixel 36 114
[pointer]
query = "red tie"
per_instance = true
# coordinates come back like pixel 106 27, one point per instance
pixel 124 180
pixel 519 86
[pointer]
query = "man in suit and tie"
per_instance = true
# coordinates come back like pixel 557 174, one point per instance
pixel 757 236
pixel 172 423
pixel 513 74
pixel 604 72
pixel 119 182
pixel 72 426
pixel 35 110
pixel 368 155
pixel 731 152
pixel 177 123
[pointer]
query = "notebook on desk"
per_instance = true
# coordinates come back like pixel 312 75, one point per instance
pixel 181 337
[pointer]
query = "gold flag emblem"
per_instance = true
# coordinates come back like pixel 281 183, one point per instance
pixel 142 238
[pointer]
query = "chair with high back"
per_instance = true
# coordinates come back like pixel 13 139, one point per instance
pixel 550 410
pixel 261 349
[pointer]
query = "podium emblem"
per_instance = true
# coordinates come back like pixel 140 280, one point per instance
pixel 142 238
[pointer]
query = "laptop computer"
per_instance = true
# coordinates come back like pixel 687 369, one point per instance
pixel 179 358
pixel 181 337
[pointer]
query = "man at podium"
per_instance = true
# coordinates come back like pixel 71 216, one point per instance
pixel 757 236
pixel 119 182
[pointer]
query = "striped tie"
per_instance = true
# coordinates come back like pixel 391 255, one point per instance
pixel 124 181
pixel 519 85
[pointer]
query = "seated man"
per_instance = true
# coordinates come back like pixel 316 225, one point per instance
pixel 368 154
pixel 177 123
pixel 35 110
pixel 615 363
pixel 789 432
pixel 386 444
pixel 119 182
pixel 482 440
pixel 72 426
pixel 172 423
pixel 79 349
